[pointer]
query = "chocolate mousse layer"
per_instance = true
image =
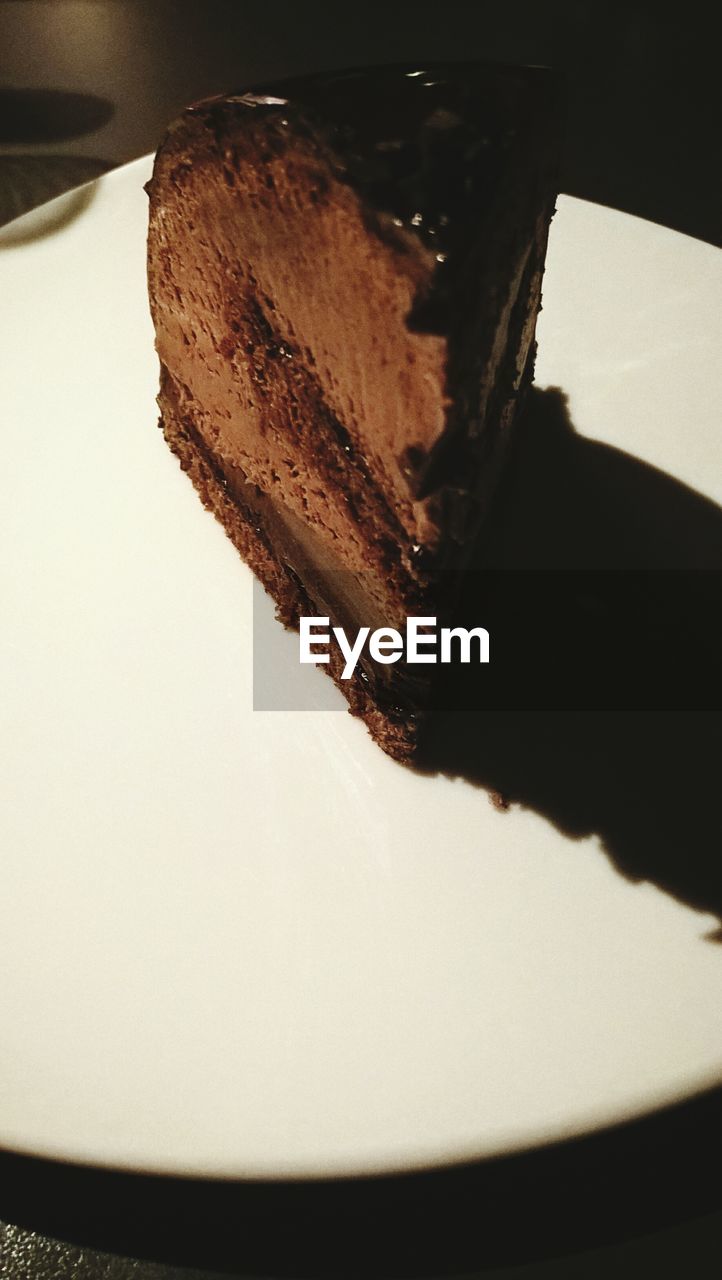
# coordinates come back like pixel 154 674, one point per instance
pixel 344 275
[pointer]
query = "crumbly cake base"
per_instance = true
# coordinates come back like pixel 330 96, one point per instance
pixel 397 736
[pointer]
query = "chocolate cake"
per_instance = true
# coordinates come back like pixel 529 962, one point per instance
pixel 344 275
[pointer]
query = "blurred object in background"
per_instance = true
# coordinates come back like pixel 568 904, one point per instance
pixel 32 119
pixel 30 116
pixel 643 76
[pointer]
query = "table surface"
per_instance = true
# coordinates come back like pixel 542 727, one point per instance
pixel 684 1250
pixel 89 84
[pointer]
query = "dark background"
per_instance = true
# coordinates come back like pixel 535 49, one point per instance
pixel 88 84
pixel 644 123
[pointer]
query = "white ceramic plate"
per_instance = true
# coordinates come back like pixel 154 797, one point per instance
pixel 248 943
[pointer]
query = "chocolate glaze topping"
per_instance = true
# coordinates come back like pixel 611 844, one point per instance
pixel 426 144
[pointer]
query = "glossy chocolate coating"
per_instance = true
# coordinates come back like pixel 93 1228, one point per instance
pixel 425 143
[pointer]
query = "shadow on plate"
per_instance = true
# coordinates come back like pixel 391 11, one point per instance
pixel 643 773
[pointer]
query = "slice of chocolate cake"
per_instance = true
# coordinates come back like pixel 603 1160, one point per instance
pixel 344 275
